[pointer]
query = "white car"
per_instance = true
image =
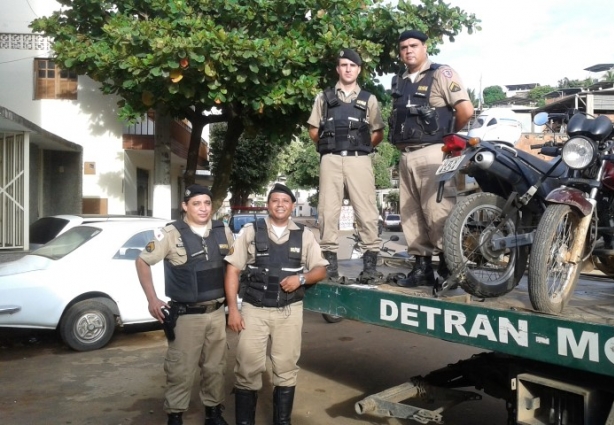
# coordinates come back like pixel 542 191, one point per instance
pixel 392 222
pixel 82 283
pixel 46 228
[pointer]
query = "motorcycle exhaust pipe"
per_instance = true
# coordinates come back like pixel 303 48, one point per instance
pixel 488 161
pixel 484 160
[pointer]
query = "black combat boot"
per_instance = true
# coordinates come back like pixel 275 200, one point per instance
pixel 421 275
pixel 175 419
pixel 333 267
pixel 245 407
pixel 369 274
pixel 442 269
pixel 283 398
pixel 213 415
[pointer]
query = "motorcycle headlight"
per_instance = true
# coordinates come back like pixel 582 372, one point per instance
pixel 578 153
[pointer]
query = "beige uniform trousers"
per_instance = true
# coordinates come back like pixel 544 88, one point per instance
pixel 200 342
pixel 356 173
pixel 283 326
pixel 422 218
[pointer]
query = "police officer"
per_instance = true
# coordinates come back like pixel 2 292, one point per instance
pixel 280 260
pixel 346 124
pixel 193 251
pixel 429 101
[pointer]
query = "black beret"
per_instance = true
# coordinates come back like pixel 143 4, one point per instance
pixel 351 55
pixel 195 190
pixel 418 35
pixel 282 189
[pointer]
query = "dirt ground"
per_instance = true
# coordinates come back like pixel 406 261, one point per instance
pixel 44 382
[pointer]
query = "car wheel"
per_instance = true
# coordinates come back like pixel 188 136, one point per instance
pixel 87 325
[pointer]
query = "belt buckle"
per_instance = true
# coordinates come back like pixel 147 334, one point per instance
pixel 343 153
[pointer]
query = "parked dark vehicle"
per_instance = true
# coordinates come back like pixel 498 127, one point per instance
pixel 487 236
pixel 579 220
pixel 237 221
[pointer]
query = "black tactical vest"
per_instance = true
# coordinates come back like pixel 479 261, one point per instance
pixel 274 263
pixel 419 123
pixel 344 126
pixel 201 278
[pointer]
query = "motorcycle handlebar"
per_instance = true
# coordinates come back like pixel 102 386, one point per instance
pixel 551 151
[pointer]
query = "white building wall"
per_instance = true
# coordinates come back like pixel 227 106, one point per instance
pixel 90 121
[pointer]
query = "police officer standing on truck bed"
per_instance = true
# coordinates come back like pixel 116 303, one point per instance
pixel 429 101
pixel 193 251
pixel 346 124
pixel 273 253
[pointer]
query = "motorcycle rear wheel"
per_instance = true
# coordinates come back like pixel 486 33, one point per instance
pixel 551 278
pixel 485 273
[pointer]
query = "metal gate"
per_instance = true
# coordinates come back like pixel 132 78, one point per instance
pixel 13 189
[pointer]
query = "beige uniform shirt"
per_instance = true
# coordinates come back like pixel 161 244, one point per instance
pixel 374 114
pixel 243 251
pixel 168 244
pixel 447 89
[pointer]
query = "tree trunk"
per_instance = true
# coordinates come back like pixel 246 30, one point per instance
pixel 198 122
pixel 162 165
pixel 221 180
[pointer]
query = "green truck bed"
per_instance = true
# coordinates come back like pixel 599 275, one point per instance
pixel 582 338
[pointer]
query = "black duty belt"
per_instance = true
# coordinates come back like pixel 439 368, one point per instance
pixel 350 153
pixel 183 308
pixel 412 148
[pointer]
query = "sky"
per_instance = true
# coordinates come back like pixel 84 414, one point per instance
pixel 530 41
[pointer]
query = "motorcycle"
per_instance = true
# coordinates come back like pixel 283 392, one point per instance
pixel 579 219
pixel 488 235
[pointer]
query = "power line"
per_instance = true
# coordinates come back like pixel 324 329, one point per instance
pixel 21 59
pixel 30 6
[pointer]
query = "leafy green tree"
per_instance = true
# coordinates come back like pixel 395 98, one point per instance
pixel 537 94
pixel 386 158
pixel 493 94
pixel 302 166
pixel 257 64
pixel 393 198
pixel 566 83
pixel 254 166
pixel 609 76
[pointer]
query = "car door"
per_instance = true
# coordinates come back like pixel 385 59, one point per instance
pixel 130 298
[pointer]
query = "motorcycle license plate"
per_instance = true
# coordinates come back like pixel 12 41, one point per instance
pixel 450 164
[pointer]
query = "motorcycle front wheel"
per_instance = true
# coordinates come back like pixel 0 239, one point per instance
pixel 485 272
pixel 552 278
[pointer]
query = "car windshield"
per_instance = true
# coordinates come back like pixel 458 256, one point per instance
pixel 238 221
pixel 67 242
pixel 46 228
pixel 393 217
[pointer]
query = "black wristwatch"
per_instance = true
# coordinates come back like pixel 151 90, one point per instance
pixel 301 279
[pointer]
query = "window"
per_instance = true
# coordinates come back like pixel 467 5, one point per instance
pixel 133 246
pixel 52 82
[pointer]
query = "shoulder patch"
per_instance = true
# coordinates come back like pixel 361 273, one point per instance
pixel 158 235
pixel 447 72
pixel 454 87
pixel 232 250
pixel 150 246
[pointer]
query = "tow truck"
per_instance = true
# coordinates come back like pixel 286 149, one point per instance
pixel 550 369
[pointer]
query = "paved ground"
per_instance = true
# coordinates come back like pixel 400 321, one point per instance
pixel 44 382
